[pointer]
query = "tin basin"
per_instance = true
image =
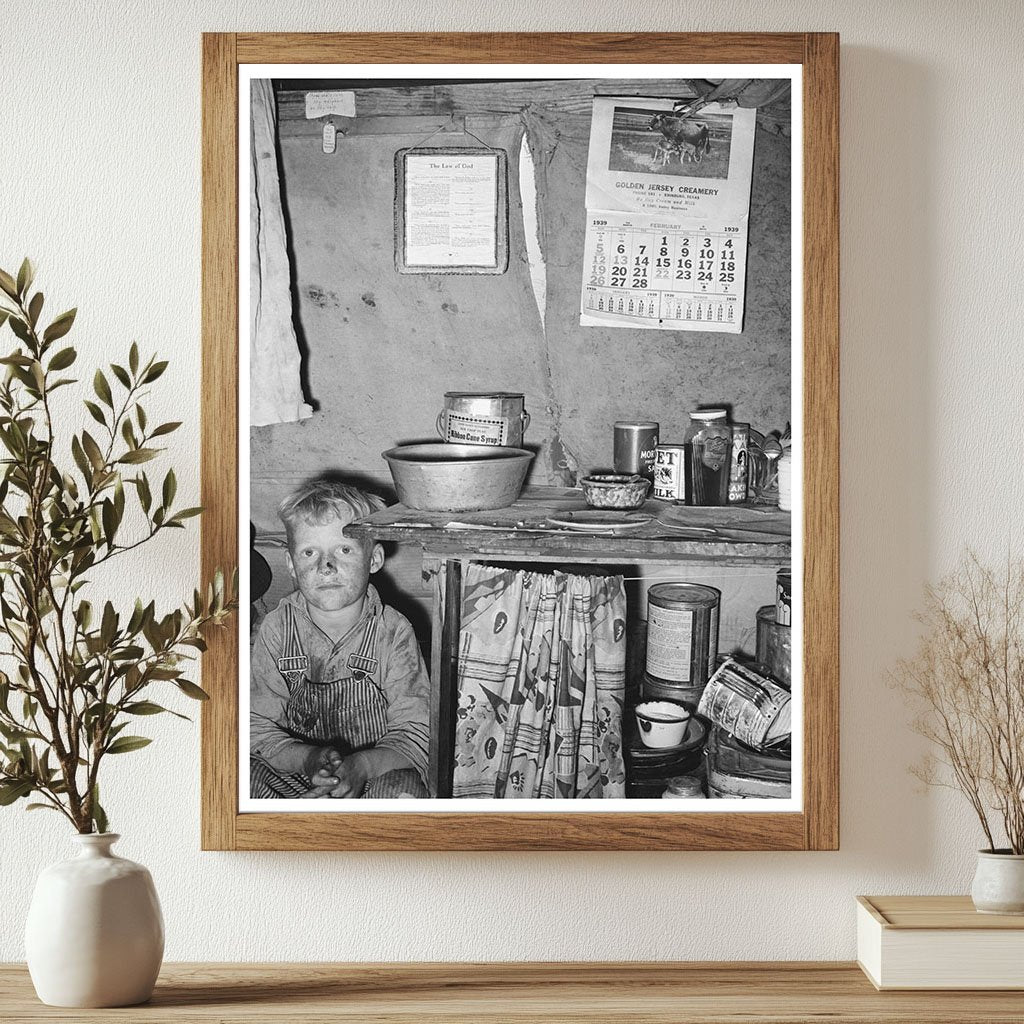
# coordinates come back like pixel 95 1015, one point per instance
pixel 457 477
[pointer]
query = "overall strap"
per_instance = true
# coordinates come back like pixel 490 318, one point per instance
pixel 293 663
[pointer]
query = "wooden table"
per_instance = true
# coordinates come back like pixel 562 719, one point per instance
pixel 787 993
pixel 524 533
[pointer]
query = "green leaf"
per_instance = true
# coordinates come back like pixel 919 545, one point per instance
pixel 125 744
pixel 60 326
pixel 108 625
pixel 145 497
pixel 7 283
pixel 170 488
pixel 20 328
pixel 154 372
pixel 26 274
pixel 185 513
pixel 128 433
pixel 92 449
pixel 119 499
pixel 191 690
pixel 14 790
pixel 79 456
pixel 121 374
pixel 102 388
pixel 133 358
pixel 140 415
pixel 95 412
pixel 63 359
pixel 165 428
pixel 99 816
pixel 138 455
pixel 34 308
pixel 145 707
pixel 109 518
pixel 41 807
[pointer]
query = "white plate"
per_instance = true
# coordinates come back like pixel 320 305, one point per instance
pixel 594 521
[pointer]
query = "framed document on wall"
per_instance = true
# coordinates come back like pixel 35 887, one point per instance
pixel 451 211
pixel 538 675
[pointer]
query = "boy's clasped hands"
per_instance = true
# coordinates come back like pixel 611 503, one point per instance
pixel 333 775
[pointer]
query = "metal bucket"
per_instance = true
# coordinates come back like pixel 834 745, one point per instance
pixel 483 417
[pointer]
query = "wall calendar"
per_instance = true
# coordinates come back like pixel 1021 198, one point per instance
pixel 668 203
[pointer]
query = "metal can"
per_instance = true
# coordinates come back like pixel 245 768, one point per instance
pixel 746 703
pixel 670 472
pixel 635 444
pixel 774 646
pixel 682 633
pixel 483 417
pixel 738 467
pixel 784 597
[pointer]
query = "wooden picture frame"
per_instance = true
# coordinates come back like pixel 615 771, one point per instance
pixel 497 262
pixel 816 826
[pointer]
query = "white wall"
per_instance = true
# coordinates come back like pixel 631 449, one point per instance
pixel 99 181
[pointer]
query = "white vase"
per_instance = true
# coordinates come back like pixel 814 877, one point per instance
pixel 999 882
pixel 95 934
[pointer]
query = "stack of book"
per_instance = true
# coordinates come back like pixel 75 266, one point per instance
pixel 938 942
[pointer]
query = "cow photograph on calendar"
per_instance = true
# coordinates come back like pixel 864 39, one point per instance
pixel 521 487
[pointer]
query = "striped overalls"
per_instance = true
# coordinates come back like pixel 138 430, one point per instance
pixel 348 713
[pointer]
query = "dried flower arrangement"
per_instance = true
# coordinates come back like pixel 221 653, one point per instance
pixel 967 682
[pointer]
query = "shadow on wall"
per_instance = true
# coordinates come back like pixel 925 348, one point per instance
pixel 889 273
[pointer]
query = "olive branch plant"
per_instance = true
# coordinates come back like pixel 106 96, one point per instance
pixel 74 675
pixel 966 682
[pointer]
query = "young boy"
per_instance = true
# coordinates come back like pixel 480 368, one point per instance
pixel 339 691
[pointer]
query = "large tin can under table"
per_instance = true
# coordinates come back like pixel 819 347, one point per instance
pixel 682 641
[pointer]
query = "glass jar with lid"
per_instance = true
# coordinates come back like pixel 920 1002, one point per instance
pixel 707 457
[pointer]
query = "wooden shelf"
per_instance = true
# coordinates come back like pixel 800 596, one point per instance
pixel 522 530
pixel 633 993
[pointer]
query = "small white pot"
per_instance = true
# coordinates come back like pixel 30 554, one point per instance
pixel 95 934
pixel 999 883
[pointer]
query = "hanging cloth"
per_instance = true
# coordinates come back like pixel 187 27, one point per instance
pixel 275 389
pixel 542 668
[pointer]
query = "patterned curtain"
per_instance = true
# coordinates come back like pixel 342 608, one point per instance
pixel 542 662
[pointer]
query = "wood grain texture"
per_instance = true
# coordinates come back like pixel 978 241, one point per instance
pixel 817 828
pixel 525 993
pixel 219 429
pixel 522 530
pixel 520 47
pixel 821 441
pixel 953 913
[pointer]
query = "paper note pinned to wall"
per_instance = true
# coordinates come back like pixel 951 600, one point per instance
pixel 333 101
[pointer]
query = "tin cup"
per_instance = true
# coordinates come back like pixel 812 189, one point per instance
pixel 483 417
pixel 635 444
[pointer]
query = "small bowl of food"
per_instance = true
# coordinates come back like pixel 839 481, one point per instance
pixel 615 490
pixel 662 723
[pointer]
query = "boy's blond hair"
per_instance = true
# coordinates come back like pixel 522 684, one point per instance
pixel 321 499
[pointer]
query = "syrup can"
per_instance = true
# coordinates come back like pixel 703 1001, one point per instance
pixel 483 417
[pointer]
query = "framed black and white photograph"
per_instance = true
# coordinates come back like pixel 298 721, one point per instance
pixel 535 418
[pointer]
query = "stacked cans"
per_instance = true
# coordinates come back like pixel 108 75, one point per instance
pixel 774 636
